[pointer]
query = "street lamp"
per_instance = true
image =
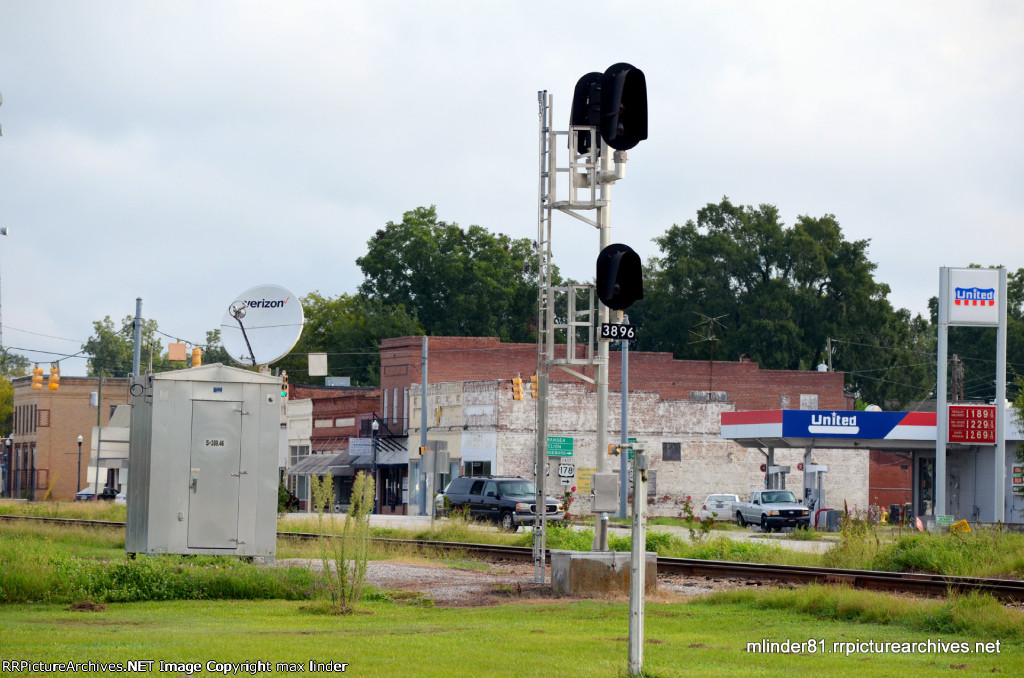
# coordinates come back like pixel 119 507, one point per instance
pixel 78 478
pixel 373 434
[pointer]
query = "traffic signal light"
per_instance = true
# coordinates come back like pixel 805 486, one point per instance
pixel 616 103
pixel 197 357
pixel 284 384
pixel 517 388
pixel 54 376
pixel 623 106
pixel 620 277
pixel 534 385
pixel 37 378
pixel 586 108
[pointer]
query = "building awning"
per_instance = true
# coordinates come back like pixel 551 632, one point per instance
pixel 386 458
pixel 321 464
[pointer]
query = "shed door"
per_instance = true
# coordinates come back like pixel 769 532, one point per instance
pixel 215 465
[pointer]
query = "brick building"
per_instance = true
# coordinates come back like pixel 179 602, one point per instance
pixel 742 383
pixel 891 474
pixel 43 451
pixel 485 432
pixel 323 420
pixel 675 406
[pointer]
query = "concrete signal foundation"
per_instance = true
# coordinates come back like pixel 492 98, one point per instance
pixel 589 573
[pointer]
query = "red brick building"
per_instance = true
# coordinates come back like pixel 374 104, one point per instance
pixel 744 383
pixel 890 479
pixel 339 413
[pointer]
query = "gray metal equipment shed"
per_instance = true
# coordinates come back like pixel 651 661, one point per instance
pixel 203 462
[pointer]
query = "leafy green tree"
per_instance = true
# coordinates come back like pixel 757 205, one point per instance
pixel 111 348
pixel 214 351
pixel 777 294
pixel 11 365
pixel 349 329
pixel 457 281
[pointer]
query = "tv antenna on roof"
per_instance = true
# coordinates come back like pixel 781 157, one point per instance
pixel 261 325
pixel 708 335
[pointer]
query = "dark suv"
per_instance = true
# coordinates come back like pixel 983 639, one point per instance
pixel 509 502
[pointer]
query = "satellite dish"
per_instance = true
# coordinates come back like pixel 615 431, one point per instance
pixel 261 325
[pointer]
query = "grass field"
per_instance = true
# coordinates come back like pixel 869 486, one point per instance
pixel 587 638
pixel 249 614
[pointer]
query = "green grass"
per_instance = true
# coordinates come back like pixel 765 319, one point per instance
pixel 551 638
pixel 81 510
pixel 979 553
pixel 59 564
pixel 389 637
pixel 978 615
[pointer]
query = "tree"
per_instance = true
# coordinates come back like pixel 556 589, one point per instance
pixel 11 365
pixel 214 351
pixel 349 328
pixel 777 295
pixel 111 349
pixel 456 281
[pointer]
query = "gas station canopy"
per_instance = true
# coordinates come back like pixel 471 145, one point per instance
pixel 833 429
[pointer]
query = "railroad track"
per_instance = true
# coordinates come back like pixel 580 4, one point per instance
pixel 906 582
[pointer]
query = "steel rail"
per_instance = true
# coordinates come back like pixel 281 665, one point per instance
pixel 907 582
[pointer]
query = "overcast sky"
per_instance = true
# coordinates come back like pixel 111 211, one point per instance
pixel 183 152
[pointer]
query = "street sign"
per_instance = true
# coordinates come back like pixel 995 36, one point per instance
pixel 943 521
pixel 972 424
pixel 585 479
pixel 559 446
pixel 566 470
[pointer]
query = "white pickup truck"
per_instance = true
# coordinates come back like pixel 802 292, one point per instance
pixel 772 509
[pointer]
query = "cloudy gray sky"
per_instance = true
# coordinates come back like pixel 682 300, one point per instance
pixel 183 152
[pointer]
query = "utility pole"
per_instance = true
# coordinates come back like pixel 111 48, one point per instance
pixel 423 434
pixel 136 352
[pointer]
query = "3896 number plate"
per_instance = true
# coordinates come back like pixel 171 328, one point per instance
pixel 613 331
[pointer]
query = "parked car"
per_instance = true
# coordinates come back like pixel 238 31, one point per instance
pixel 719 507
pixel 507 501
pixel 772 509
pixel 87 494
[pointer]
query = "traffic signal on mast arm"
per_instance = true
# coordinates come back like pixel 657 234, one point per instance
pixel 615 102
pixel 517 388
pixel 620 277
pixel 54 376
pixel 37 378
pixel 534 385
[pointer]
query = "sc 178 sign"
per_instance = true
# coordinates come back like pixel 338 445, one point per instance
pixel 972 424
pixel 617 331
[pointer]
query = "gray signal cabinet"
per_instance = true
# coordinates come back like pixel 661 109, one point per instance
pixel 203 462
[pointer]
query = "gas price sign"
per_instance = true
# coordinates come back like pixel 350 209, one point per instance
pixel 972 424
